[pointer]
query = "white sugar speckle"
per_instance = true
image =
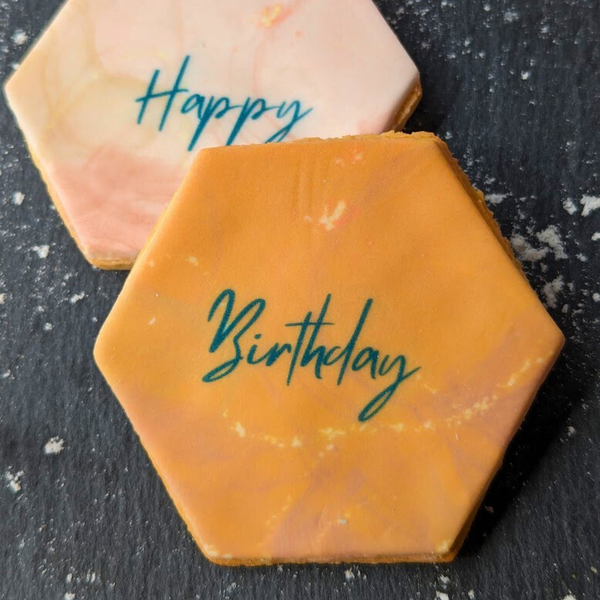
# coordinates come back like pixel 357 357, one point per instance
pixel 582 257
pixel 6 374
pixel 349 575
pixel 54 445
pixel 69 578
pixel 77 297
pixel 20 37
pixel 590 204
pixel 42 251
pixel 551 237
pixel 570 206
pixel 471 594
pixel 551 291
pixel 239 429
pixel 444 580
pixel 570 597
pixel 69 596
pixel 2 298
pixel 48 327
pixel 596 297
pixel 487 7
pixel 14 481
pixel 596 236
pixel 329 221
pixel 510 16
pixel 525 75
pixel 495 198
pixel 442 596
pixel 571 431
pixel 524 251
pixel 17 198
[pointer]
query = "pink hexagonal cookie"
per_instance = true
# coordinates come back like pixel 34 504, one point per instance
pixel 116 97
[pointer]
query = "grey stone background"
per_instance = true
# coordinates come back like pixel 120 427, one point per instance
pixel 514 88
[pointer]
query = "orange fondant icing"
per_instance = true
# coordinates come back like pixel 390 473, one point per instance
pixel 263 471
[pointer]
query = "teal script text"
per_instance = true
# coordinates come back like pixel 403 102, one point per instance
pixel 233 331
pixel 208 108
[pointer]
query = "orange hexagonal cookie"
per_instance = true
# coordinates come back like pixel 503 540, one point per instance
pixel 326 348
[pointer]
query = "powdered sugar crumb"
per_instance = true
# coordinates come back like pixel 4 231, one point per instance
pixel 570 597
pixel 17 198
pixel 590 204
pixel 442 596
pixel 76 298
pixel 551 237
pixel 444 580
pixel 596 236
pixel 471 594
pixel 525 251
pixel 69 596
pixel 570 206
pixel 551 291
pixel 20 37
pixel 230 588
pixel 349 575
pixel 14 481
pixel 495 198
pixel 2 298
pixel 596 297
pixel 42 251
pixel 54 445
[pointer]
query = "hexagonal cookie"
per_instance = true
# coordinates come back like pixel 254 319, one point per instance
pixel 116 97
pixel 326 348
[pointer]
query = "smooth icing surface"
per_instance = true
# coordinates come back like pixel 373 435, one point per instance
pixel 325 349
pixel 117 97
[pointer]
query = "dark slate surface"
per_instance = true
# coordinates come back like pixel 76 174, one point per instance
pixel 514 88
